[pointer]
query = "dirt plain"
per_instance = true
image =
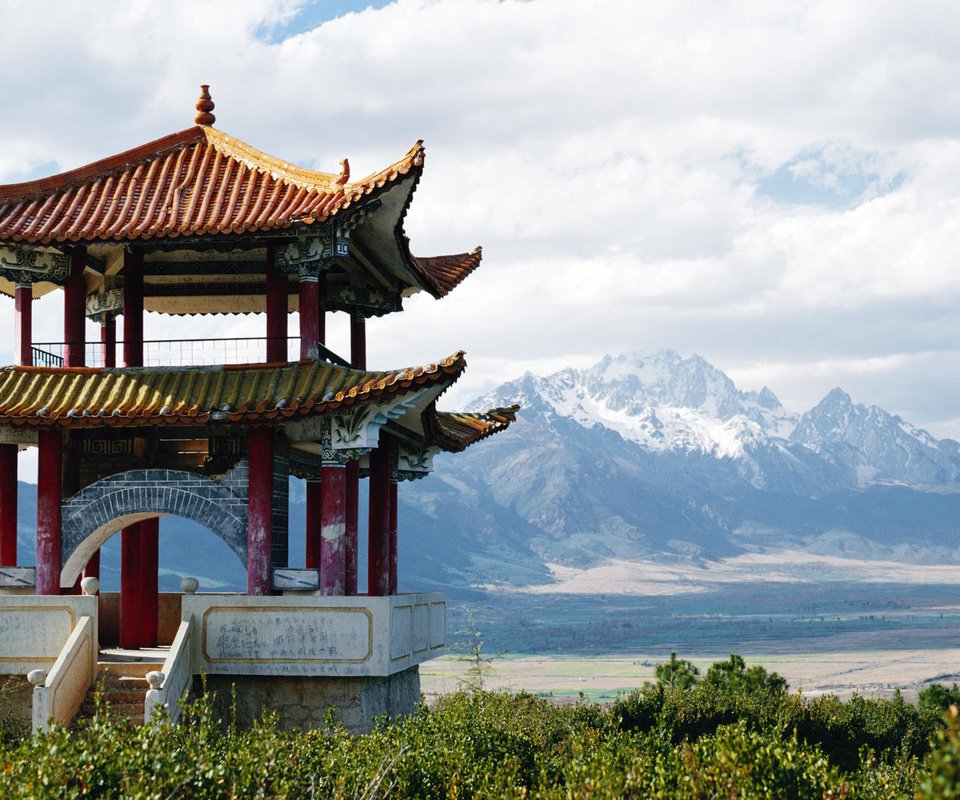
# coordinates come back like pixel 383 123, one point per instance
pixel 878 673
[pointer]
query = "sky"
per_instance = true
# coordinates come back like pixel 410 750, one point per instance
pixel 773 186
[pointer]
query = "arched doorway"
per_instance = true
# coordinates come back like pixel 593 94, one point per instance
pixel 132 502
pixel 111 504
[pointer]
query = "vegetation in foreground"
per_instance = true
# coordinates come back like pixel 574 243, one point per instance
pixel 734 732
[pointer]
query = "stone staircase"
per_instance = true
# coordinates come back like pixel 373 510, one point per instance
pixel 121 681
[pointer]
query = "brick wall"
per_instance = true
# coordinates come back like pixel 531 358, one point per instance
pixel 219 507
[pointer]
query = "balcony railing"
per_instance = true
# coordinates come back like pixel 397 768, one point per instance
pixel 184 352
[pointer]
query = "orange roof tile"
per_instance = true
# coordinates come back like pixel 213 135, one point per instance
pixel 196 182
pixel 89 397
pixel 455 431
pixel 444 273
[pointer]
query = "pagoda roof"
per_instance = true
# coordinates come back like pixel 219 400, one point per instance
pixel 201 187
pixel 198 182
pixel 86 397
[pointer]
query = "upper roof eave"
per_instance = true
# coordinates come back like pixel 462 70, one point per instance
pixel 197 183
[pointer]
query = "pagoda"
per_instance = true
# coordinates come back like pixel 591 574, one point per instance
pixel 128 430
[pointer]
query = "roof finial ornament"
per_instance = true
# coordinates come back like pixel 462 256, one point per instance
pixel 204 106
pixel 344 172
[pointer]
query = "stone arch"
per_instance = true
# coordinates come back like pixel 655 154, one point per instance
pixel 97 512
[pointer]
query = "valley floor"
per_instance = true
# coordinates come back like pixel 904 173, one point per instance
pixel 874 673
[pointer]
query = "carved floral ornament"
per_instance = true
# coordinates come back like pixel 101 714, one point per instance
pixel 33 264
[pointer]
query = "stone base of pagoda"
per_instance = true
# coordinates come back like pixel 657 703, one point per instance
pixel 300 655
pixel 296 654
pixel 302 702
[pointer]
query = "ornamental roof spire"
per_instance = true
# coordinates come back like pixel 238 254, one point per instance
pixel 205 107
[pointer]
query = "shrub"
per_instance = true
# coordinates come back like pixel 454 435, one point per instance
pixel 735 732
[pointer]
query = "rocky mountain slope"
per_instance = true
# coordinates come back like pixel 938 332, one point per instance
pixel 659 457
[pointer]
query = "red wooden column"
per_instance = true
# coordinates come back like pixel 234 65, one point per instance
pixel 131 596
pixel 322 308
pixel 309 316
pixel 259 511
pixel 333 530
pixel 149 577
pixel 276 302
pixel 358 341
pixel 74 325
pixel 314 502
pixel 133 308
pixel 50 445
pixel 108 340
pixel 23 326
pixel 378 543
pixel 74 310
pixel 351 523
pixel 8 505
pixel 92 570
pixel 393 535
pixel 358 360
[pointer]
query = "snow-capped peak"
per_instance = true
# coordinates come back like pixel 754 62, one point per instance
pixel 664 402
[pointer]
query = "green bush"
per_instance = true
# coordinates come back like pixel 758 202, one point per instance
pixel 735 732
pixel 942 778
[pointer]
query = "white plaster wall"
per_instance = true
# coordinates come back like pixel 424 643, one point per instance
pixel 34 628
pixel 313 635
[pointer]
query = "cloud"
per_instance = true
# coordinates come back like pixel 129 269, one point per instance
pixel 761 183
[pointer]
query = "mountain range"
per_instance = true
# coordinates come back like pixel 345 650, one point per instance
pixel 661 458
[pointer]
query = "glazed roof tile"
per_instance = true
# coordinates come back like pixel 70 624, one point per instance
pixel 455 431
pixel 444 273
pixel 90 397
pixel 196 182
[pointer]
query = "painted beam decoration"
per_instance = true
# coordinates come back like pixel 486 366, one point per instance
pixel 306 256
pixel 20 264
pixel 415 463
pixel 350 435
pixel 104 306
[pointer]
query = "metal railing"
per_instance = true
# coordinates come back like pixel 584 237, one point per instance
pixel 186 352
pixel 45 358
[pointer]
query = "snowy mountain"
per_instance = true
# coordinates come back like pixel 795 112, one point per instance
pixel 669 404
pixel 874 446
pixel 665 402
pixel 662 459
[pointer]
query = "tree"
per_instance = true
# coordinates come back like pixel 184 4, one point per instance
pixel 677 673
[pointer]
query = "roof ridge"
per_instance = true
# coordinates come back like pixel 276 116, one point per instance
pixel 264 162
pixel 412 159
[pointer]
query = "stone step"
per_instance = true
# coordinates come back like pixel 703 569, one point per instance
pixel 131 711
pixel 128 668
pixel 122 684
pixel 130 695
